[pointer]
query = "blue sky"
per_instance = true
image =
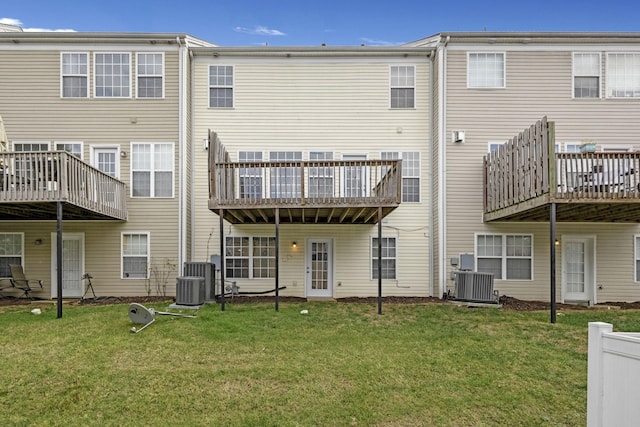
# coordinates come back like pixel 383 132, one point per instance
pixel 311 23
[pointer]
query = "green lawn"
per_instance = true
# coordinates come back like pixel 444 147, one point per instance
pixel 340 365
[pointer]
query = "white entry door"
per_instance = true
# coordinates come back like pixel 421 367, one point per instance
pixel 72 265
pixel 578 268
pixel 319 268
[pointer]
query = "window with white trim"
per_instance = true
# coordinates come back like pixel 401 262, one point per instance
pixel 73 148
pixel 410 173
pixel 485 70
pixel 250 257
pixel 251 182
pixel 388 257
pixel 623 75
pixel 11 252
pixel 106 159
pixel 112 75
pixel 152 169
pixel 74 69
pixel 135 255
pixel 402 86
pixel 220 86
pixel 636 257
pixel 150 68
pixel 586 75
pixel 507 256
pixel 285 181
pixel 321 179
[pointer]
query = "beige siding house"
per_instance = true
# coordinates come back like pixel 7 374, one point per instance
pixel 492 87
pixel 321 129
pixel 98 126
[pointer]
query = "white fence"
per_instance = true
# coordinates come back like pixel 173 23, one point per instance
pixel 613 375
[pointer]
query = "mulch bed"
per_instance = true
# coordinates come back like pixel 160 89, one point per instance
pixel 507 303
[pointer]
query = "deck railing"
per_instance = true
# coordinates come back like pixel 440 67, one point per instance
pixel 528 167
pixel 52 176
pixel 303 183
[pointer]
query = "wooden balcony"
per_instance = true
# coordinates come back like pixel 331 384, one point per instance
pixel 31 184
pixel 322 191
pixel 525 176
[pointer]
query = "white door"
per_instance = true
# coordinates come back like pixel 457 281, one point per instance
pixel 72 265
pixel 319 268
pixel 355 179
pixel 578 268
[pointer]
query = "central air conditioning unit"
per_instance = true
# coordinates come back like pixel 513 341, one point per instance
pixel 189 290
pixel 475 287
pixel 205 270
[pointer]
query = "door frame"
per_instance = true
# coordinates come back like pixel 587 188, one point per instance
pixel 590 265
pixel 307 266
pixel 54 255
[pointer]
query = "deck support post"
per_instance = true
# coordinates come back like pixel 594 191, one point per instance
pixel 379 259
pixel 552 259
pixel 277 257
pixel 222 261
pixel 59 256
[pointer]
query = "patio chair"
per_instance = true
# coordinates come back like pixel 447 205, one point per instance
pixel 19 281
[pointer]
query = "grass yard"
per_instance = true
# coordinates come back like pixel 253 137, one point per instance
pixel 339 365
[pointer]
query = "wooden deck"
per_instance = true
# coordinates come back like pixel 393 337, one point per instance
pixel 525 176
pixel 322 191
pixel 32 183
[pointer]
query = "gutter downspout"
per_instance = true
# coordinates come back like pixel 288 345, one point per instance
pixel 182 142
pixel 430 180
pixel 442 166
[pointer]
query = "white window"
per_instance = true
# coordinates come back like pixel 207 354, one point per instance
pixel 74 69
pixel 637 257
pixel 31 146
pixel 11 252
pixel 73 148
pixel 507 256
pixel 410 173
pixel 586 75
pixel 251 182
pixel 388 258
pixel 402 86
pixel 220 86
pixel 286 180
pixel 321 180
pixel 135 255
pixel 150 68
pixel 25 167
pixel 112 75
pixel 486 70
pixel 152 169
pixel 623 75
pixel 250 257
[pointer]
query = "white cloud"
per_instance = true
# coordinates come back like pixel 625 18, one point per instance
pixel 18 23
pixel 259 30
pixel 375 42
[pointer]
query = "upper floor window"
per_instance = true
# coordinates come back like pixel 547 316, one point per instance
pixel 220 86
pixel 586 75
pixel 410 173
pixel 623 75
pixel 150 68
pixel 285 180
pixel 112 75
pixel 73 148
pixel 152 169
pixel 402 86
pixel 507 256
pixel 11 251
pixel 75 75
pixel 485 70
pixel 321 180
pixel 251 182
